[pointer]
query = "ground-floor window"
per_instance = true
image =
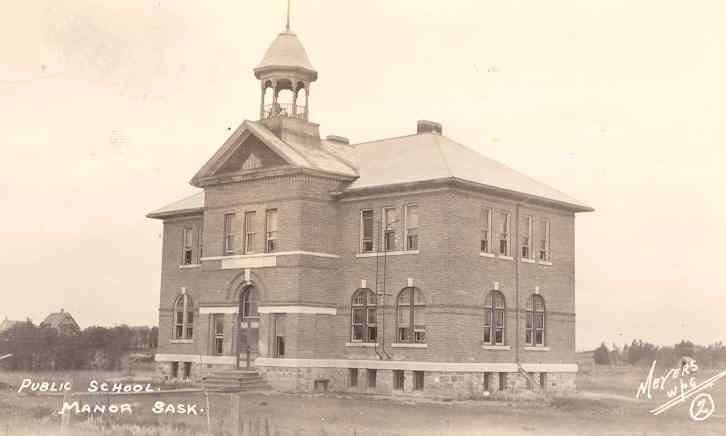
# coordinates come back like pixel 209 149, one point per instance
pixel 174 369
pixel 543 380
pixel 219 334
pixel 353 375
pixel 502 381
pixel 187 370
pixel 487 377
pixel 278 334
pixel 398 379
pixel 371 378
pixel 418 380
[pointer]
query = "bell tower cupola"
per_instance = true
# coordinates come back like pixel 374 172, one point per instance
pixel 285 75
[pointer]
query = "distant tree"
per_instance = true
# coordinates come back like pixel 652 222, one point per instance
pixel 685 348
pixel 154 337
pixel 601 356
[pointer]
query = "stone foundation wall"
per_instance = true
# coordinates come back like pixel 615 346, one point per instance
pixel 458 385
pixel 163 371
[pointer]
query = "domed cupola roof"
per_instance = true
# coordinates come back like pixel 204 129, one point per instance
pixel 285 54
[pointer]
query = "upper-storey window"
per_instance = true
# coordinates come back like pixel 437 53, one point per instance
pixel 504 232
pixel 411 217
pixel 494 318
pixel 271 230
pixel 526 231
pixel 230 244
pixel 200 241
pixel 390 217
pixel 410 320
pixel 366 231
pixel 187 241
pixel 183 317
pixel 486 230
pixel 250 232
pixel 535 328
pixel 363 316
pixel 544 240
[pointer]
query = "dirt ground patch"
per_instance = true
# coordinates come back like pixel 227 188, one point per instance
pixel 609 409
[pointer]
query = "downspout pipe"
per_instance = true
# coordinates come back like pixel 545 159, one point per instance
pixel 516 254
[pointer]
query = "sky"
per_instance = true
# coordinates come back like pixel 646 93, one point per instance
pixel 108 108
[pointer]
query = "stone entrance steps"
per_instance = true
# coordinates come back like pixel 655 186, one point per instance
pixel 235 380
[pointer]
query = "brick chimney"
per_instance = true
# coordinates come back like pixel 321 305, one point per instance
pixel 424 126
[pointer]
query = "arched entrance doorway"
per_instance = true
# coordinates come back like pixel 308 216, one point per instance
pixel 249 324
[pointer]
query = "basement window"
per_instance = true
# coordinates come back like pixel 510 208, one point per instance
pixel 398 379
pixel 418 380
pixel 371 378
pixel 353 376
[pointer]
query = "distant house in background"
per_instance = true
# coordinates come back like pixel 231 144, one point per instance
pixel 7 324
pixel 62 321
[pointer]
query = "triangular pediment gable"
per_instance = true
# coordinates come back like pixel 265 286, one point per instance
pixel 246 150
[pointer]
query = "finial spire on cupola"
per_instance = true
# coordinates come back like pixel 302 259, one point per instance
pixel 287 25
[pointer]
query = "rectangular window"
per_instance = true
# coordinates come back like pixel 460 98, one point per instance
pixel 544 241
pixel 398 379
pixel 411 214
pixel 174 369
pixel 486 230
pixel 278 334
pixel 371 378
pixel 418 380
pixel 271 231
pixel 366 231
pixel 200 243
pixel 229 234
pixel 187 370
pixel 353 376
pixel 187 250
pixel 219 334
pixel 502 381
pixel 250 233
pixel 390 218
pixel 527 237
pixel 504 222
pixel 487 377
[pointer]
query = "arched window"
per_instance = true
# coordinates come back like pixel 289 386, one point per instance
pixel 535 329
pixel 411 309
pixel 494 318
pixel 183 317
pixel 249 304
pixel 363 316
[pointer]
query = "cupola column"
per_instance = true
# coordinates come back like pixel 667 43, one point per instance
pixel 307 96
pixel 263 88
pixel 294 98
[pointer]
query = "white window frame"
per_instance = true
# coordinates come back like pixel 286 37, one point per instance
pixel 528 236
pixel 186 323
pixel 229 233
pixel 386 228
pixel 507 227
pixel 486 216
pixel 406 227
pixel 187 248
pixel 249 223
pixel 546 240
pixel 271 235
pixel 363 238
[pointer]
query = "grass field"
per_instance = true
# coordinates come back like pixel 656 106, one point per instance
pixel 604 405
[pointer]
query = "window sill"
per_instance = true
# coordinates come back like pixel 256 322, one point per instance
pixel 496 347
pixel 544 262
pixel 361 344
pixel 181 341
pixel 191 265
pixel 537 348
pixel 486 254
pixel 505 257
pixel 525 260
pixel 404 345
pixel 387 253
